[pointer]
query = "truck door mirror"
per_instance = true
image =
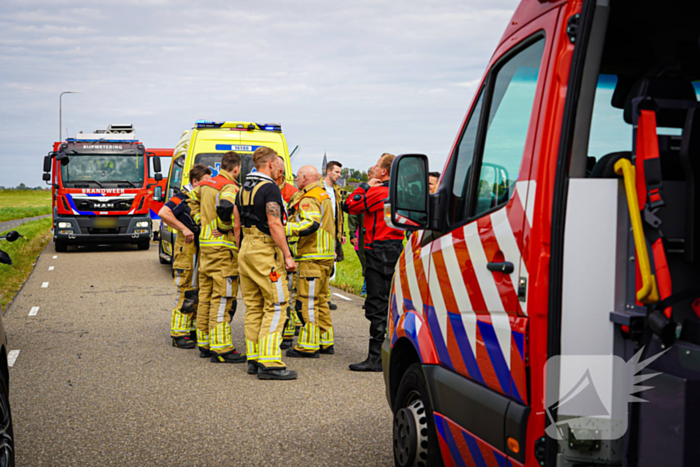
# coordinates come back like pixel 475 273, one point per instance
pixel 408 207
pixel 156 166
pixel 46 177
pixel 47 163
pixel 158 176
pixel 158 194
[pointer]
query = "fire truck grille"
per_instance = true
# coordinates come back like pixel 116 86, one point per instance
pixel 104 205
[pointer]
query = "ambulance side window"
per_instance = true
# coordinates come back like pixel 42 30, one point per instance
pixel 175 180
pixel 510 109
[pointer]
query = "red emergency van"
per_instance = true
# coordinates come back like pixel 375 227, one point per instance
pixel 560 255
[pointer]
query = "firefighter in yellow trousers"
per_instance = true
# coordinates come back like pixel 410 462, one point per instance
pixel 311 220
pixel 213 201
pixel 264 261
pixel 176 214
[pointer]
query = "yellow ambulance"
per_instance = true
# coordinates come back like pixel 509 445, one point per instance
pixel 204 144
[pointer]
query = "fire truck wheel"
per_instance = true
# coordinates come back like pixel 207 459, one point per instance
pixel 145 244
pixel 415 440
pixel 60 246
pixel 7 438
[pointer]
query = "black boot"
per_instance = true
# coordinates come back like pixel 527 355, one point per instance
pixel 332 306
pixel 294 353
pixel 228 357
pixel 286 343
pixel 204 353
pixel 252 367
pixel 184 342
pixel 275 373
pixel 373 362
pixel 328 350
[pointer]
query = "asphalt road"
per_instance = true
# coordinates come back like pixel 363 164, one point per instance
pixel 12 225
pixel 97 382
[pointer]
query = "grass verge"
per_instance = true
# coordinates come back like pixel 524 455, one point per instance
pixel 9 214
pixel 348 274
pixel 18 204
pixel 24 254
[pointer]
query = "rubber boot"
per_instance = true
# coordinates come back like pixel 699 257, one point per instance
pixel 228 357
pixel 184 342
pixel 332 306
pixel 328 350
pixel 204 353
pixel 276 373
pixel 252 367
pixel 294 353
pixel 373 362
pixel 286 343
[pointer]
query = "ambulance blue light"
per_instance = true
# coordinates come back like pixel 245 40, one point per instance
pixel 208 124
pixel 270 126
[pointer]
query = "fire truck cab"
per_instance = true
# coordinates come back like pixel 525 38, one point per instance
pixel 553 280
pixel 100 189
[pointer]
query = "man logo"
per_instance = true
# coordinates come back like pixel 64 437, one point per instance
pixel 593 394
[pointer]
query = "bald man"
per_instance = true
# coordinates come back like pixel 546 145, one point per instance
pixel 311 220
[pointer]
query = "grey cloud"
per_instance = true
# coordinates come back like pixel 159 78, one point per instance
pixel 354 79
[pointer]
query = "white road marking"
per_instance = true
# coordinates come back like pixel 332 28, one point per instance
pixel 34 311
pixel 12 357
pixel 342 296
pixel 55 257
pixel 50 268
pixel 44 285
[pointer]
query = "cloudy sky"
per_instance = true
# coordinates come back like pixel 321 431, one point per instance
pixel 354 79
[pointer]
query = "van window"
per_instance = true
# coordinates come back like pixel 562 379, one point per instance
pixel 465 156
pixel 213 161
pixel 175 180
pixel 509 119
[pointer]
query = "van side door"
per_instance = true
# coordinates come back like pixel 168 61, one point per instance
pixel 478 270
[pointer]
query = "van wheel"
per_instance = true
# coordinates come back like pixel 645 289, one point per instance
pixel 144 244
pixel 160 253
pixel 60 246
pixel 415 440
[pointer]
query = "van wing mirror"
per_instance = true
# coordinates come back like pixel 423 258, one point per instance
pixel 158 194
pixel 408 206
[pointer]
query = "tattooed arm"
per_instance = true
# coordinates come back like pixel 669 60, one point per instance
pixel 274 221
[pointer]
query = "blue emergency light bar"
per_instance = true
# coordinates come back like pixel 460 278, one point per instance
pixel 261 126
pixel 208 124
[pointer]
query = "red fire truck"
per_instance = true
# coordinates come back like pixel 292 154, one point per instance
pixel 100 189
pixel 558 264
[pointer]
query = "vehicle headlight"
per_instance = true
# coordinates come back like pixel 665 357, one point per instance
pixel 142 224
pixel 64 225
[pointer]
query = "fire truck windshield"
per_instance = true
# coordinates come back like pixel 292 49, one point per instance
pixel 102 169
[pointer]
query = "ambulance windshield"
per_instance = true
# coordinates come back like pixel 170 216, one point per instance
pixel 213 161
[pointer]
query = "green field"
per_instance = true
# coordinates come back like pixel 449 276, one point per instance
pixel 24 253
pixel 348 274
pixel 18 204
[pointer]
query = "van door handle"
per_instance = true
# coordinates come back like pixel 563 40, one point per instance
pixel 506 267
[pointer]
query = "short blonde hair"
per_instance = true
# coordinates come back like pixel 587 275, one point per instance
pixel 262 156
pixel 385 162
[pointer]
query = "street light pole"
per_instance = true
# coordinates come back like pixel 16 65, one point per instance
pixel 60 113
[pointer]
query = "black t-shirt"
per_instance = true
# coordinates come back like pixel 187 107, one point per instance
pixel 181 211
pixel 269 192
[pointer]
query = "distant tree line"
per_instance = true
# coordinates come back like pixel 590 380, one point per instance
pixel 23 187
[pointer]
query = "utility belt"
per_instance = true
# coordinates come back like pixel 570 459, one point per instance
pixel 254 232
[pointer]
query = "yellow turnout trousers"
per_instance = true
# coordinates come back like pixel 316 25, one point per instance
pixel 185 269
pixel 312 303
pixel 264 287
pixel 292 317
pixel 218 288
